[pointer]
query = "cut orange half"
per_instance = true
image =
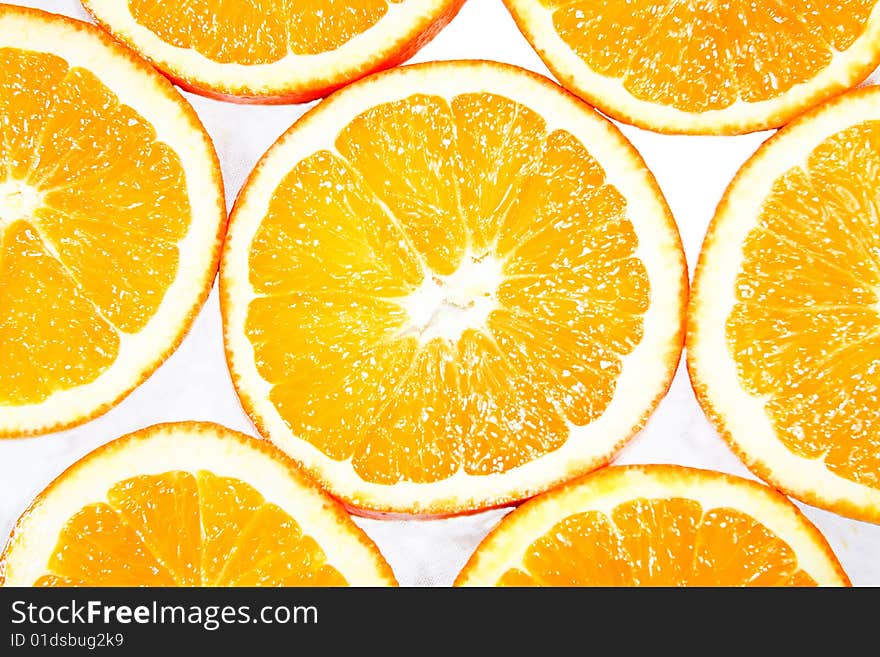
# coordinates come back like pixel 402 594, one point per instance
pixel 784 334
pixel 655 525
pixel 704 67
pixel 273 52
pixel 111 220
pixel 451 286
pixel 188 504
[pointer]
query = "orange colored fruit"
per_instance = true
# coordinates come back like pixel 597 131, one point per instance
pixel 273 52
pixel 784 334
pixel 188 504
pixel 704 67
pixel 655 525
pixel 451 286
pixel 111 220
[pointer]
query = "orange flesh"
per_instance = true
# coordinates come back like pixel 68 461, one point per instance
pixel 417 189
pixel 92 258
pixel 805 329
pixel 259 31
pixel 659 542
pixel 708 54
pixel 179 529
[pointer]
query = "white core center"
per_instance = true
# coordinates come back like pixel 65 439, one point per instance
pixel 446 306
pixel 18 200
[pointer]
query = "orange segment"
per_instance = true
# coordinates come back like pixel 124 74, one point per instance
pixel 703 67
pixel 150 534
pixel 409 438
pixel 508 421
pixel 558 558
pixel 270 51
pixel 259 32
pixel 786 39
pixel 333 328
pixel 93 200
pixel 734 548
pixel 342 408
pixel 355 243
pixel 163 511
pixel 226 505
pixel 655 526
pixel 124 274
pixel 405 153
pixel 658 536
pixel 188 527
pixel 95 208
pixel 500 144
pixel 666 542
pixel 29 79
pixel 566 184
pixel 822 342
pixel 271 551
pixel 437 288
pixel 96 547
pixel 803 326
pixel 51 335
pixel 515 577
pixel 700 74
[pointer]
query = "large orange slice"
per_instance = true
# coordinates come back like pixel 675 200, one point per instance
pixel 111 219
pixel 655 525
pixel 189 504
pixel 784 343
pixel 451 286
pixel 268 51
pixel 704 67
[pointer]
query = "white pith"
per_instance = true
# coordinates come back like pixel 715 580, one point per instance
pixel 165 110
pixel 743 414
pixel 610 94
pixel 18 200
pixel 646 371
pixel 294 72
pixel 604 491
pixel 189 449
pixel 446 306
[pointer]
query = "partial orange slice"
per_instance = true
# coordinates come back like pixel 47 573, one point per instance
pixel 111 220
pixel 273 52
pixel 784 342
pixel 655 525
pixel 188 504
pixel 704 67
pixel 451 286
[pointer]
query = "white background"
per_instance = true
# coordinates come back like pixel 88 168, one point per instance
pixel 194 383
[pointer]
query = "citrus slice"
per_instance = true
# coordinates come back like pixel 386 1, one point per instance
pixel 273 52
pixel 188 504
pixel 111 220
pixel 784 342
pixel 451 286
pixel 704 67
pixel 655 525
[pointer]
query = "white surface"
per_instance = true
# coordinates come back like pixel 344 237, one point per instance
pixel 194 382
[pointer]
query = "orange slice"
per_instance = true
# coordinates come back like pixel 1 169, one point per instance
pixel 784 343
pixel 111 219
pixel 451 286
pixel 655 525
pixel 704 67
pixel 188 504
pixel 273 52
